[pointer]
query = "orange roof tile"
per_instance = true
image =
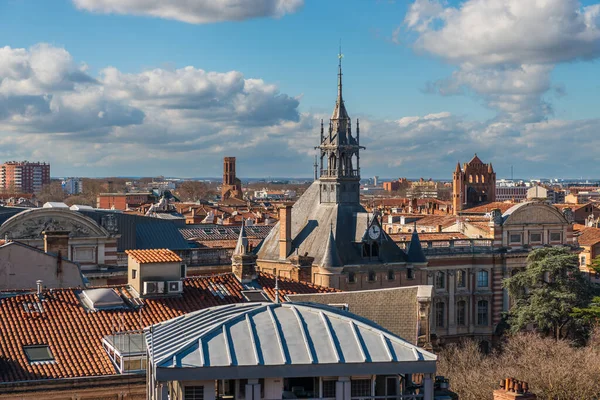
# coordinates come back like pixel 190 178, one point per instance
pixel 74 333
pixel 153 256
pixel 589 236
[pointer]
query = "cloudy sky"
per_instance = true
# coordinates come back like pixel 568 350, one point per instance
pixel 149 87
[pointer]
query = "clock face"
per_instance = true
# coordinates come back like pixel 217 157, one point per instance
pixel 374 232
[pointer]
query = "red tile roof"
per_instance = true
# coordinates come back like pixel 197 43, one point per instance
pixel 153 256
pixel 588 236
pixel 74 334
pixel 487 207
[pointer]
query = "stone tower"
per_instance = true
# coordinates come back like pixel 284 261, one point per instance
pixel 472 185
pixel 243 261
pixel 339 177
pixel 232 186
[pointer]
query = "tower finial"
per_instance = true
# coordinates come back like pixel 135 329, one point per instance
pixel 340 56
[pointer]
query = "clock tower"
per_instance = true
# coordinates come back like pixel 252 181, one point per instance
pixel 339 178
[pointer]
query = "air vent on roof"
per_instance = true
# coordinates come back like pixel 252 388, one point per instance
pixel 174 286
pixel 155 287
pixel 103 298
pixel 343 307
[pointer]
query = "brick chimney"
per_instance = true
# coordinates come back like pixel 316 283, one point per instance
pixel 285 231
pixel 56 242
pixel 511 389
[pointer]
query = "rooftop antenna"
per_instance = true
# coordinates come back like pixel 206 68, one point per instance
pixel 315 165
pixel 277 289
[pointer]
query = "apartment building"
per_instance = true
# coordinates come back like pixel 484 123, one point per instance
pixel 24 176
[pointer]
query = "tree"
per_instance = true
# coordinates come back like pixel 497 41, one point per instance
pixel 192 191
pixel 547 291
pixel 51 192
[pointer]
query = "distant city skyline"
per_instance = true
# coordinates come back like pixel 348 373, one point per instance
pixel 109 88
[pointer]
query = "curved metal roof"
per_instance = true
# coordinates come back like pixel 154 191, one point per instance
pixel 271 334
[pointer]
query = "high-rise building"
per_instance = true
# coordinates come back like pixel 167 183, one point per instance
pixel 24 176
pixel 72 186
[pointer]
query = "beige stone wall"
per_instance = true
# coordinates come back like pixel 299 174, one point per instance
pixel 21 267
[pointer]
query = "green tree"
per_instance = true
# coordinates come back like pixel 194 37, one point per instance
pixel 595 265
pixel 547 291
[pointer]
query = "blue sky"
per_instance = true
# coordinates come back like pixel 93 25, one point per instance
pixel 451 102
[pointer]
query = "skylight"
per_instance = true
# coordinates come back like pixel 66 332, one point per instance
pixel 101 299
pixel 38 353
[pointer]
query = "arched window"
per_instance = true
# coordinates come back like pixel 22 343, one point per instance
pixel 461 278
pixel 461 313
pixel 482 178
pixel 440 280
pixel 440 314
pixel 391 275
pixel 351 277
pixel 470 178
pixel 482 312
pixel 482 279
pixel 372 277
pixel 477 178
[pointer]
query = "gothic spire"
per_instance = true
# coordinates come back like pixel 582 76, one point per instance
pixel 331 258
pixel 242 244
pixel 339 112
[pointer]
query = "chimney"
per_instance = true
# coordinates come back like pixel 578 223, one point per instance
pixel 285 231
pixel 56 242
pixel 511 389
pixel 39 285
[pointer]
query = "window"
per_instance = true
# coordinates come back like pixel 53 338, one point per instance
pixel 515 238
pixel 439 314
pixel 372 277
pixel 329 389
pixel 440 280
pixel 535 238
pixel 193 393
pixel 133 273
pixel 410 273
pixel 582 261
pixel 39 353
pixel 482 312
pixel 461 313
pixel 360 387
pixel 482 279
pixel 183 271
pixel 351 277
pixel 555 237
pixel 461 279
pixel 391 275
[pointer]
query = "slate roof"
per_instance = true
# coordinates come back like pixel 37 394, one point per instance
pixel 153 236
pixel 74 333
pixel 222 232
pixel 415 251
pixel 311 222
pixel 275 334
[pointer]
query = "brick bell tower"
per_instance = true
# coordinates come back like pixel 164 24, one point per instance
pixel 472 185
pixel 232 186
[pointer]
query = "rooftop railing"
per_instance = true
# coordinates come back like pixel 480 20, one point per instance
pixel 453 246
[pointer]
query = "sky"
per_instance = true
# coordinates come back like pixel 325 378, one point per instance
pixel 149 87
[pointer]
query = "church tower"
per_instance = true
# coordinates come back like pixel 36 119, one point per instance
pixel 339 177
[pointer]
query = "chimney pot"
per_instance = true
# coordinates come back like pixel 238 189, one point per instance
pixel 38 284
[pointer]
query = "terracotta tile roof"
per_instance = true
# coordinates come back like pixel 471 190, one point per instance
pixel 153 256
pixel 486 208
pixel 74 334
pixel 288 286
pixel 589 236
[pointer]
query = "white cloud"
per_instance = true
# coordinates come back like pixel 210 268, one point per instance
pixel 505 50
pixel 195 11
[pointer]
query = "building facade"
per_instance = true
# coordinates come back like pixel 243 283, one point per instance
pixel 72 186
pixel 472 185
pixel 24 176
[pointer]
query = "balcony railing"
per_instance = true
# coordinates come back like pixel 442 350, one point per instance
pixel 335 173
pixel 454 246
